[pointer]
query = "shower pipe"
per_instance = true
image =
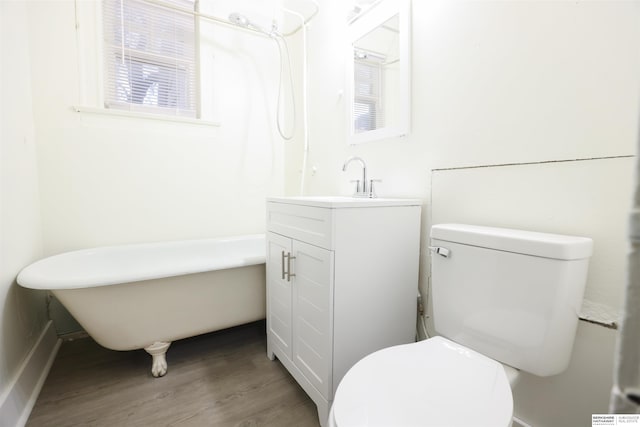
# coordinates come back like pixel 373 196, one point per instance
pixel 305 126
pixel 232 25
pixel 280 40
pixel 243 22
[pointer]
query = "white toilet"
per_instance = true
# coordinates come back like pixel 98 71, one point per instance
pixel 502 299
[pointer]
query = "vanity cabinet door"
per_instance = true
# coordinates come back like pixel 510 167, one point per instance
pixel 279 293
pixel 312 314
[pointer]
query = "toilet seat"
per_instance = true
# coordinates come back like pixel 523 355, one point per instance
pixel 435 382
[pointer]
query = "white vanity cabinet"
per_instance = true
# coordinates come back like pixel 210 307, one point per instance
pixel 342 281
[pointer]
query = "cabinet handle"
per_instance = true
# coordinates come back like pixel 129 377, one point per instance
pixel 282 264
pixel 289 274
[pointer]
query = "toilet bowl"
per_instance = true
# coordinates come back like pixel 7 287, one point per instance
pixel 499 296
pixel 425 383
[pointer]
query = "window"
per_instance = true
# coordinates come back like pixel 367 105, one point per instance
pixel 367 106
pixel 150 58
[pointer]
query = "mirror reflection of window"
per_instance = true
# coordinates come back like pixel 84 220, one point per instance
pixel 368 105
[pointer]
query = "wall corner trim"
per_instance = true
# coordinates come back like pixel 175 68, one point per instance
pixel 20 396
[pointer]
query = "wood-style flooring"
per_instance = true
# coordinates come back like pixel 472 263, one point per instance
pixel 218 379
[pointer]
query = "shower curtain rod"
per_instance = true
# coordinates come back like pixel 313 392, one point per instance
pixel 231 25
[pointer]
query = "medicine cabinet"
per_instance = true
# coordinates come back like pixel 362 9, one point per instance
pixel 379 73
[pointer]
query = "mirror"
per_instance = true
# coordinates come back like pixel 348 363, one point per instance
pixel 378 73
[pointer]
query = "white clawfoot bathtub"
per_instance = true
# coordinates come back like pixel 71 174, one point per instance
pixel 147 295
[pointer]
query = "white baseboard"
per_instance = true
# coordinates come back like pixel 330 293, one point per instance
pixel 21 395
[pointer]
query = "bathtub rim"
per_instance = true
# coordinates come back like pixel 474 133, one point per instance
pixel 33 278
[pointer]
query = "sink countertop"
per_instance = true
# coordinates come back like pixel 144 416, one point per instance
pixel 334 202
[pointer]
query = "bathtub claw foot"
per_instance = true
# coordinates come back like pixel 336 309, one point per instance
pixel 158 350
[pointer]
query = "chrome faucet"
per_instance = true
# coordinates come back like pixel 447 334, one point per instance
pixel 366 189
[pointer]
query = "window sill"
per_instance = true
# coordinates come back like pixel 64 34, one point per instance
pixel 140 115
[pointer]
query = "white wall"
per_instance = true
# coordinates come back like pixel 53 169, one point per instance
pixel 110 180
pixel 22 312
pixel 528 84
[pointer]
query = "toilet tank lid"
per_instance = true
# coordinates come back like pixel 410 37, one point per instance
pixel 533 243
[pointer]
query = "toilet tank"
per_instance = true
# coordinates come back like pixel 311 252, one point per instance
pixel 512 295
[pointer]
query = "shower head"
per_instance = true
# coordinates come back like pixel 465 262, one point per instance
pixel 239 20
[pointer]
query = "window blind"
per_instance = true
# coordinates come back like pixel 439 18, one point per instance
pixel 149 57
